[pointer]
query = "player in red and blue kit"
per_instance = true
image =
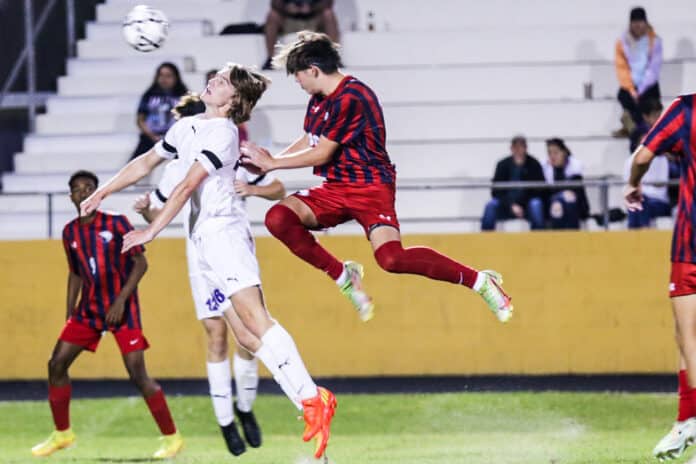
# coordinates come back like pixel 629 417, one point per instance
pixel 345 142
pixel 675 134
pixel 107 283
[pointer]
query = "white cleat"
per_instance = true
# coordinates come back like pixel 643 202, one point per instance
pixel 495 297
pixel 677 440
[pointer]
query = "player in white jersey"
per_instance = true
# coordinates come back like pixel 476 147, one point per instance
pixel 209 311
pixel 217 228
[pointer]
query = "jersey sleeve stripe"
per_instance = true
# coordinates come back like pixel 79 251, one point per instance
pixel 212 157
pixel 160 196
pixel 169 148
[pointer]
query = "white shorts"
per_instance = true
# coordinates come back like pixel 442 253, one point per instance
pixel 221 261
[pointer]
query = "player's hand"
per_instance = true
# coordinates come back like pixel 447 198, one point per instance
pixel 136 237
pixel 91 203
pixel 142 203
pixel 114 315
pixel 243 189
pixel 517 210
pixel 254 156
pixel 633 198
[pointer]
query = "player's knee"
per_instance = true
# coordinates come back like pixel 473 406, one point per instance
pixel 57 366
pixel 217 345
pixel 276 219
pixel 388 256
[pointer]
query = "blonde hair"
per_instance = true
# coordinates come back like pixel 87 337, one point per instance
pixel 249 86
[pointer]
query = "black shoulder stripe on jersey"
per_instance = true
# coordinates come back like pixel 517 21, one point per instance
pixel 258 179
pixel 213 158
pixel 160 195
pixel 168 147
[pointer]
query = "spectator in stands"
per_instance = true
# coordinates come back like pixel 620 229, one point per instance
pixel 650 110
pixel 567 205
pixel 638 59
pixel 516 203
pixel 288 16
pixel 155 107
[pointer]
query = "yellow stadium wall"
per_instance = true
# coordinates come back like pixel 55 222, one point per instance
pixel 585 303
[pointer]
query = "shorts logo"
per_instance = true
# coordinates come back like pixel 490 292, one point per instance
pixel 133 342
pixel 303 193
pixel 215 300
pixel 106 236
pixel 74 244
pixel 385 218
pixel 672 287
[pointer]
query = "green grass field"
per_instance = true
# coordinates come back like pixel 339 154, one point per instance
pixel 406 429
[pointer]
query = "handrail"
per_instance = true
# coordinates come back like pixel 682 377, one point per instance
pixel 603 184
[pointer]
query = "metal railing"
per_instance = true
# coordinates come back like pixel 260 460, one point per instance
pixel 604 185
pixel 27 56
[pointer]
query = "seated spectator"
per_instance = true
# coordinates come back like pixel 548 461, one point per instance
pixel 516 203
pixel 655 197
pixel 288 16
pixel 567 206
pixel 638 59
pixel 650 110
pixel 155 108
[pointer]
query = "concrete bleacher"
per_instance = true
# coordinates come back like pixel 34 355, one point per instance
pixel 456 79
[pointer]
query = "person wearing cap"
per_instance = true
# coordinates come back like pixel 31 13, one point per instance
pixel 526 204
pixel 638 59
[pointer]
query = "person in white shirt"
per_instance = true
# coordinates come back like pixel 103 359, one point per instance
pixel 218 227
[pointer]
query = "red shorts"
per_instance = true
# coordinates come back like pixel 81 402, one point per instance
pixel 682 280
pixel 80 334
pixel 333 203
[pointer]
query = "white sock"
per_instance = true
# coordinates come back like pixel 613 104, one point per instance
pixel 246 379
pixel 279 354
pixel 220 381
pixel 342 278
pixel 480 279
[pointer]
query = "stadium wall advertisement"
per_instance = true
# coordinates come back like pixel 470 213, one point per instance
pixel 585 302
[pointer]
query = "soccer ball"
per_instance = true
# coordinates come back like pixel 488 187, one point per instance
pixel 145 28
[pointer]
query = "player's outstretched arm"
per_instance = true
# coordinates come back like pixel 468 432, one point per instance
pixel 640 163
pixel 114 315
pixel 74 286
pixel 300 144
pixel 317 155
pixel 182 192
pixel 273 191
pixel 128 175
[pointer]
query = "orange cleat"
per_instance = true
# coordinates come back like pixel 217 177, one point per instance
pixel 318 413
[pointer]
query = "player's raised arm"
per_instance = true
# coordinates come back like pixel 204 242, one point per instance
pixel 128 175
pixel 182 192
pixel 317 155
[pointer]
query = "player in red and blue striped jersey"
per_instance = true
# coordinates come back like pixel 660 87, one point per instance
pixel 675 134
pixel 106 281
pixel 345 142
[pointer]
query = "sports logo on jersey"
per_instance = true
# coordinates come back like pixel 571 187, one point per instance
pixel 326 116
pixel 315 109
pixel 106 236
pixel 74 244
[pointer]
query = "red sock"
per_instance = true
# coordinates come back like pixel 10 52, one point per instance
pixel 392 257
pixel 686 398
pixel 287 227
pixel 59 399
pixel 160 412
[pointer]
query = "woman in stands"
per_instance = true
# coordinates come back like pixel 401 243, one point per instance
pixel 155 108
pixel 567 206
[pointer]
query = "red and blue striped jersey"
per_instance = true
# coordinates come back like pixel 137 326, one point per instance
pixel 675 133
pixel 352 117
pixel 94 253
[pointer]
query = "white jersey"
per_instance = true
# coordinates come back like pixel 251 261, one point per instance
pixel 213 143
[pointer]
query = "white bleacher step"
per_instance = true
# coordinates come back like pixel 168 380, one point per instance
pixel 664 223
pixel 118 84
pixel 105 104
pixel 85 123
pixel 58 182
pixel 512 225
pixel 42 163
pixel 76 143
pixel 142 63
pixel 220 13
pixel 112 30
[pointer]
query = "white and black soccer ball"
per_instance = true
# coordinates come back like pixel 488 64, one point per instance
pixel 145 28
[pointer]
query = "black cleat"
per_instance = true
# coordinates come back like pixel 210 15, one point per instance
pixel 234 442
pixel 250 427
